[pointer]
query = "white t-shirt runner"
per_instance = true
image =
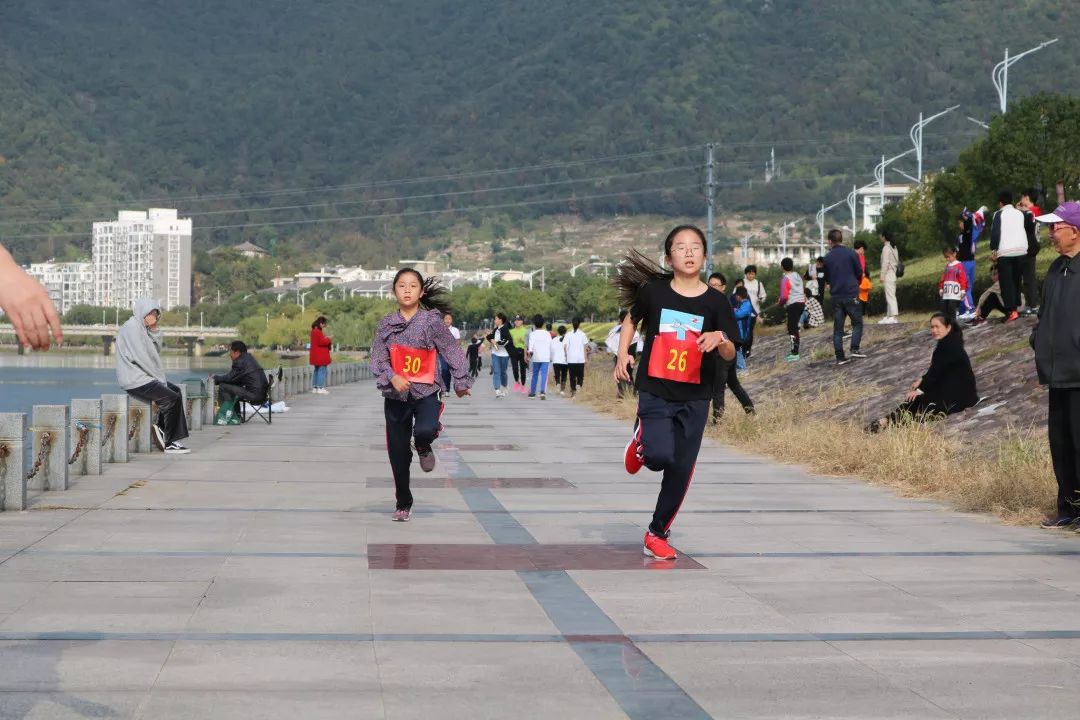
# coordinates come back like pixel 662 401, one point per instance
pixel 558 350
pixel 540 345
pixel 576 342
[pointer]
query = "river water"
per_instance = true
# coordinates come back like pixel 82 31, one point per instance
pixel 55 378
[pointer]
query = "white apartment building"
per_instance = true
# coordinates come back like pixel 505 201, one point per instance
pixel 143 254
pixel 68 283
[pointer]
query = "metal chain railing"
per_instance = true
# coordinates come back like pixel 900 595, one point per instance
pixel 46 441
pixel 136 416
pixel 84 432
pixel 110 426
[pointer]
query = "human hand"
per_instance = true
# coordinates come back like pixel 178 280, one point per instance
pixel 27 305
pixel 623 362
pixel 709 341
pixel 910 397
pixel 400 384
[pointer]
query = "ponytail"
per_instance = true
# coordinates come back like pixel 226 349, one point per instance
pixel 635 272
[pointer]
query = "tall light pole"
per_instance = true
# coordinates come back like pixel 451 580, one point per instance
pixel 879 173
pixel 783 234
pixel 302 296
pixel 852 200
pixel 573 270
pixel 1000 73
pixel 710 200
pixel 916 136
pixel 745 242
pixel 821 222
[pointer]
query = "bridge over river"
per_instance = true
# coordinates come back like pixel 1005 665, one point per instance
pixel 194 336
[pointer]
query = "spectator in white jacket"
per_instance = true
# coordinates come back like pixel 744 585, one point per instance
pixel 756 290
pixel 1010 232
pixel 890 261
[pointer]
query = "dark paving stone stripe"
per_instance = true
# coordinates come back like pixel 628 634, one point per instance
pixel 646 694
pixel 456 483
pixel 523 557
pixel 502 511
pixel 192 554
pixel 443 447
pixel 578 639
pixel 898 554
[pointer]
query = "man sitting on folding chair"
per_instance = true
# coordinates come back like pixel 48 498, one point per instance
pixel 246 381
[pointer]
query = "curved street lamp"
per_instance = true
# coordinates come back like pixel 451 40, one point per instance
pixel 1000 73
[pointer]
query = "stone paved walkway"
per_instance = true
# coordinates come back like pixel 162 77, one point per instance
pixel 261 577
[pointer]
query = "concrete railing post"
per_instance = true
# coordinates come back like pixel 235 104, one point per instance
pixel 208 403
pixel 114 428
pixel 52 455
pixel 86 426
pixel 277 392
pixel 195 402
pixel 140 418
pixel 12 472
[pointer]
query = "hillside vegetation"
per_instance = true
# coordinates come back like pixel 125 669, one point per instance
pixel 137 102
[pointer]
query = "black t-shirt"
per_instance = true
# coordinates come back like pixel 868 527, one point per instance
pixel 672 325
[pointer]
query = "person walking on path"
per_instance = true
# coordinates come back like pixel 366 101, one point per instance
pixel 755 290
pixel 890 263
pixel 473 353
pixel 947 387
pixel 140 373
pixel 1057 359
pixel 865 286
pixel 965 253
pixel 319 355
pixel 685 322
pixel 1009 231
pixel 793 301
pixel 539 355
pixel 558 358
pixel 246 380
pixel 577 354
pixel 727 375
pixel 953 283
pixel 403 363
pixel 501 345
pixel 444 367
pixel 518 365
pixel 27 306
pixel 843 273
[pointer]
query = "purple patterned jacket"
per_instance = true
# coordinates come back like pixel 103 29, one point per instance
pixel 425 330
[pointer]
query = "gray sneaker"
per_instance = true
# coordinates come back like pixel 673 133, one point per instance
pixel 427 459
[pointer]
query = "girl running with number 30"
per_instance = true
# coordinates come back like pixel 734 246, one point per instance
pixel 687 325
pixel 403 360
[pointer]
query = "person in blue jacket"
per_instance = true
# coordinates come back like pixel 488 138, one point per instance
pixel 744 321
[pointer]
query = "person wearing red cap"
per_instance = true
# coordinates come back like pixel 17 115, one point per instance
pixel 1057 359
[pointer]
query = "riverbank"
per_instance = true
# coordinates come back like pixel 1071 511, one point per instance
pixel 992 459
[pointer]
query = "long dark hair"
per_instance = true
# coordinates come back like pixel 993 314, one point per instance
pixel 636 271
pixel 433 295
pixel 319 322
pixel 949 322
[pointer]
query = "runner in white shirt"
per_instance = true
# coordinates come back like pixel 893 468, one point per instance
pixel 539 354
pixel 444 368
pixel 577 354
pixel 558 358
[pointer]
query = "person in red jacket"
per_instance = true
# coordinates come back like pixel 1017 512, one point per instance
pixel 319 355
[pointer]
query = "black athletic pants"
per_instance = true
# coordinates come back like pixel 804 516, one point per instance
pixel 519 367
pixel 727 378
pixel 1031 286
pixel 405 420
pixel 922 408
pixel 1064 429
pixel 989 305
pixel 1010 272
pixel 474 365
pixel 170 402
pixel 577 376
pixel 562 370
pixel 949 307
pixel 670 438
pixel 794 312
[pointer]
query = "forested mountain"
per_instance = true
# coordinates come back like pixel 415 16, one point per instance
pixel 235 101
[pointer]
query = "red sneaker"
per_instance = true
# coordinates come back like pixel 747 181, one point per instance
pixel 657 547
pixel 1012 316
pixel 632 456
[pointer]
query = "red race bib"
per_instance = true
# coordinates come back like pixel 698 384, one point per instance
pixel 675 355
pixel 413 364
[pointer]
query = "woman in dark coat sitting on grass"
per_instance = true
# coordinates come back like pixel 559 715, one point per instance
pixel 947 387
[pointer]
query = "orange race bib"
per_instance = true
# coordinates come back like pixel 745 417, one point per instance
pixel 413 364
pixel 675 355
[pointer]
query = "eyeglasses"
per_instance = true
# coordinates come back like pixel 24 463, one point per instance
pixel 1054 227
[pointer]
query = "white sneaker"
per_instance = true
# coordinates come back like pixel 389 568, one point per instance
pixel 158 435
pixel 176 449
pixel 324 391
pixel 314 391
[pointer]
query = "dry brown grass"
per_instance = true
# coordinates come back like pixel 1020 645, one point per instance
pixel 1009 475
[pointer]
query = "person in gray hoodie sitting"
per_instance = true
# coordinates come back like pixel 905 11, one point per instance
pixel 140 372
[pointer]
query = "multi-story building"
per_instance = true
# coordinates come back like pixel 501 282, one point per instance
pixel 143 254
pixel 68 283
